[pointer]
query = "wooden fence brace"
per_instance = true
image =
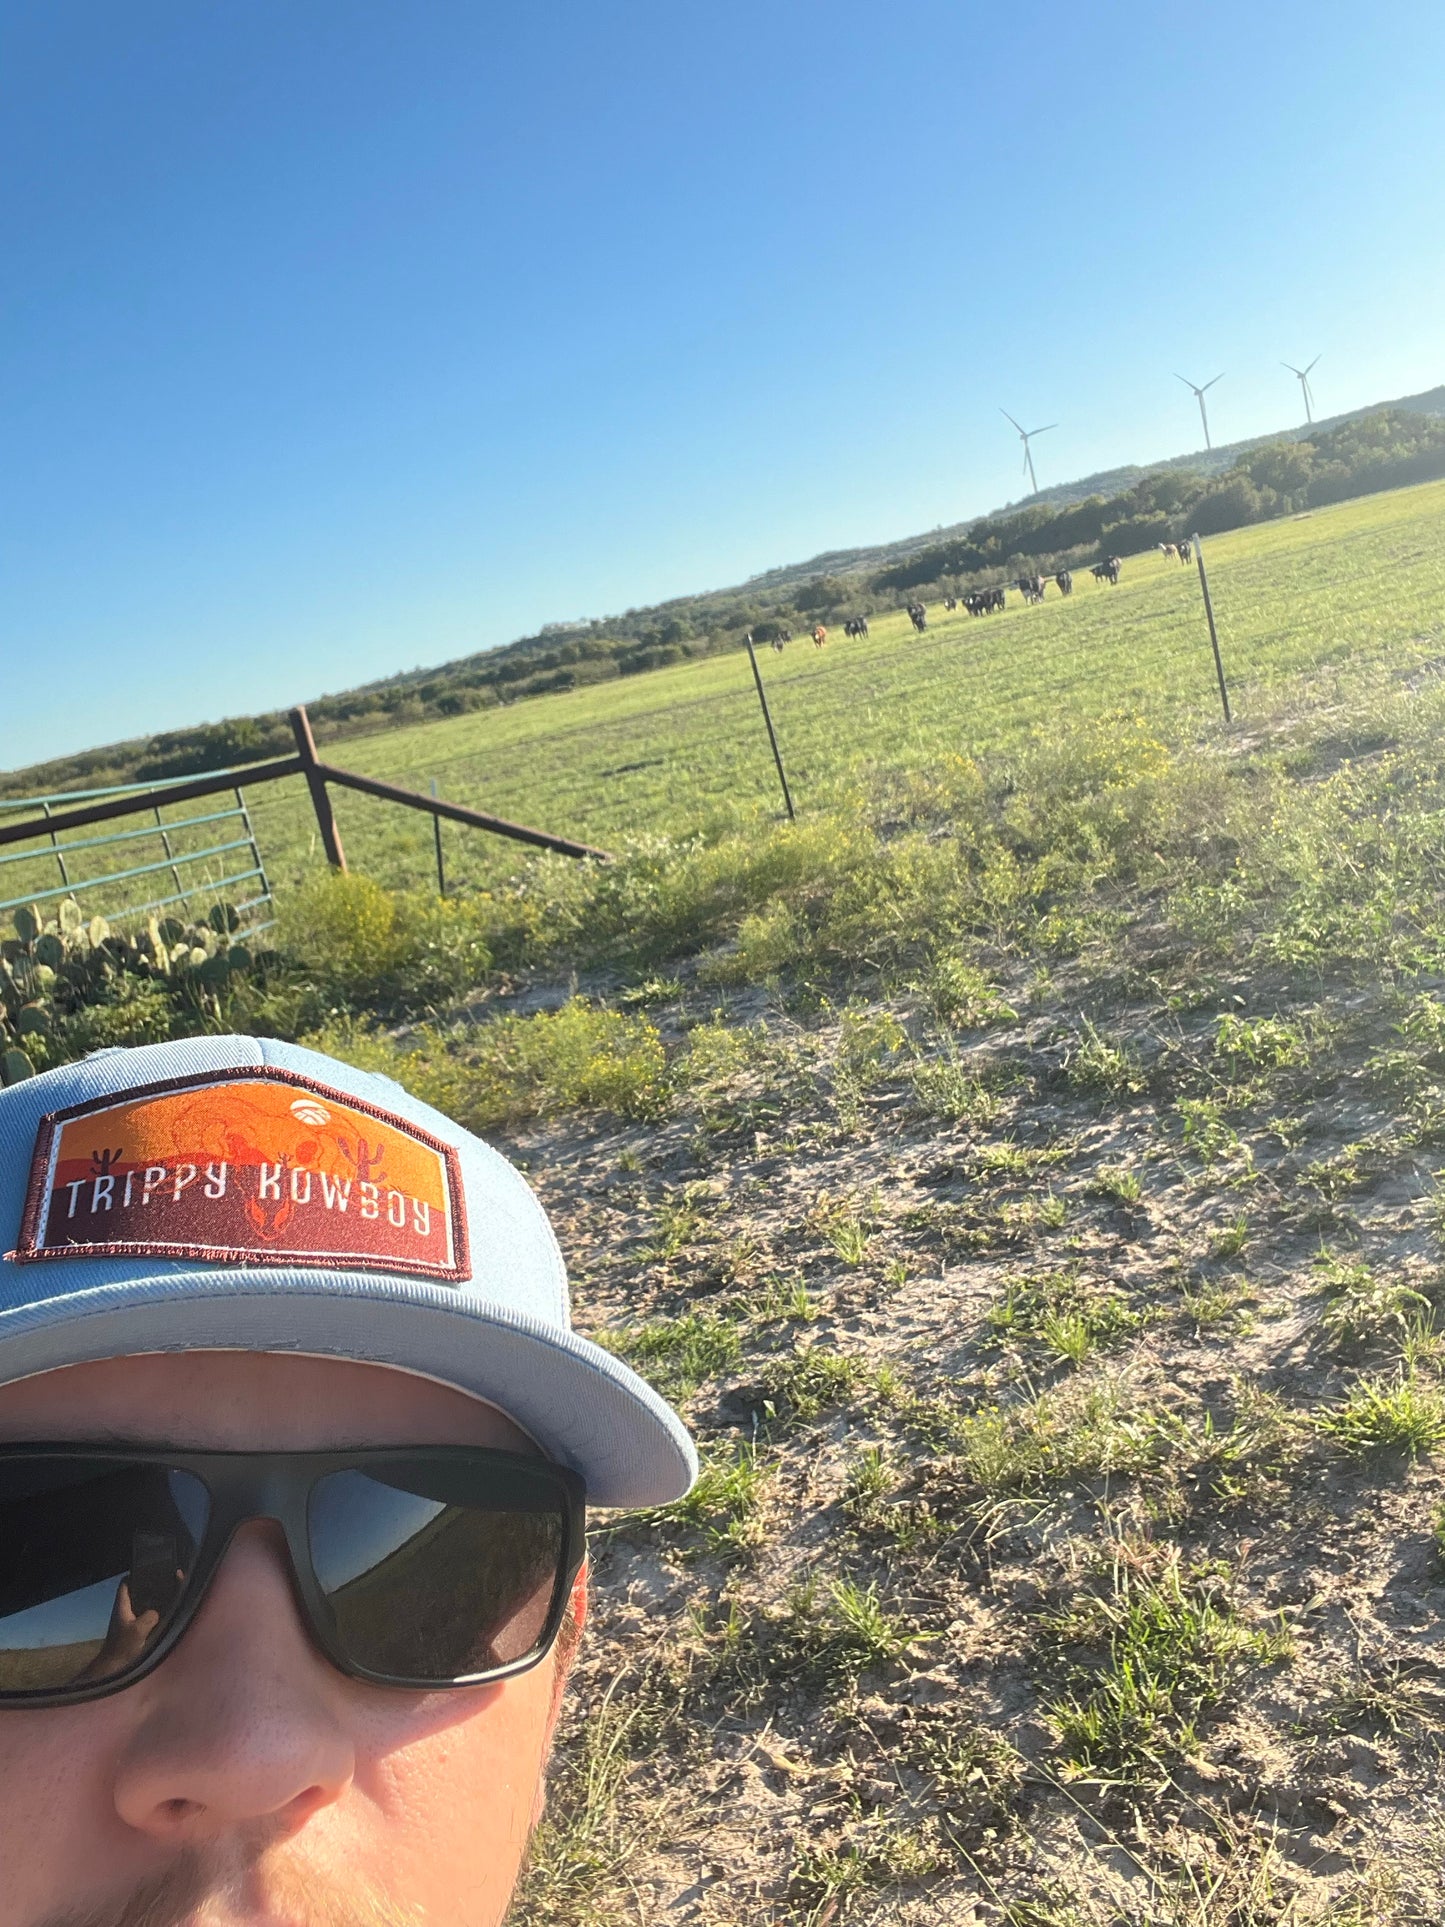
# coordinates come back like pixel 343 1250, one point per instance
pixel 316 783
pixel 456 812
pixel 1213 632
pixel 317 774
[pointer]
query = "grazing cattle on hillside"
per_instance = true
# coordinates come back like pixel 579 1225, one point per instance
pixel 984 602
pixel 1168 551
pixel 1065 582
pixel 1031 588
pixel 1186 551
pixel 1107 570
pixel 856 626
pixel 950 602
pixel 918 616
pixel 820 636
pixel 778 642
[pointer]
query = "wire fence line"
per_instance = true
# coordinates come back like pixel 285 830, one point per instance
pixel 194 849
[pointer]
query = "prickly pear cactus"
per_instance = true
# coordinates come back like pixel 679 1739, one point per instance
pixel 54 969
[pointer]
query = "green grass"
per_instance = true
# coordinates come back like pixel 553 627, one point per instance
pixel 725 1504
pixel 1402 1414
pixel 1062 1316
pixel 1158 1646
pixel 677 1354
pixel 680 751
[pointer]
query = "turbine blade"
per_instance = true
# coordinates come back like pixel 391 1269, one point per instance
pixel 1317 357
pixel 1044 430
pixel 1187 382
pixel 1210 384
pixel 1009 418
pixel 1293 370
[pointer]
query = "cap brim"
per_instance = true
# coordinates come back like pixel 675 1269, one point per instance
pixel 582 1405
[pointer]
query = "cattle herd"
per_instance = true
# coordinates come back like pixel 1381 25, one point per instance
pixel 987 602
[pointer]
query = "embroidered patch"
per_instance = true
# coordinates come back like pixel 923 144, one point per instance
pixel 251 1167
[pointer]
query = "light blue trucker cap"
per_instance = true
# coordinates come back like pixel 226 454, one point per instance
pixel 241 1194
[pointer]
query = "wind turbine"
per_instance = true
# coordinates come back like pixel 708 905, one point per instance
pixel 1026 435
pixel 1199 397
pixel 1302 375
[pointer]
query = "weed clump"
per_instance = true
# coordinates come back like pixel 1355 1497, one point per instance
pixel 1162 1642
pixel 1400 1414
pixel 364 948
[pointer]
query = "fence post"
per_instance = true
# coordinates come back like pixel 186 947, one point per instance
pixel 255 846
pixel 55 845
pixel 316 783
pixel 170 856
pixel 1213 632
pixel 772 734
pixel 436 824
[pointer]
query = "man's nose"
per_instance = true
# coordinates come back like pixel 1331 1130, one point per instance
pixel 245 1721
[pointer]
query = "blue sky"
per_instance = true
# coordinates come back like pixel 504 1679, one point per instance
pixel 338 337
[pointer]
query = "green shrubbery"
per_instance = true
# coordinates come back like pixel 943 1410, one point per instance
pixel 921 885
pixel 581 1057
pixel 367 948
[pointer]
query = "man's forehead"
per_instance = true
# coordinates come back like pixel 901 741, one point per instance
pixel 248 1401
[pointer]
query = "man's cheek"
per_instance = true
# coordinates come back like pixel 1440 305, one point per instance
pixel 59 1834
pixel 454 1803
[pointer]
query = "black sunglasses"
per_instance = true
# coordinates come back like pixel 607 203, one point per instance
pixel 422 1567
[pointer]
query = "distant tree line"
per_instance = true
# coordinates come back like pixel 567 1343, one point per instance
pixel 1388 449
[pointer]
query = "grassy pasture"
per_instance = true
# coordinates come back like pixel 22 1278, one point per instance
pixel 683 749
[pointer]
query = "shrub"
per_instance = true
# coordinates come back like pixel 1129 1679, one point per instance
pixel 581 1057
pixel 366 946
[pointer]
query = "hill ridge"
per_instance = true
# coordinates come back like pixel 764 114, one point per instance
pixel 1062 527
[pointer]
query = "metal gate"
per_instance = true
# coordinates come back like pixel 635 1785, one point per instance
pixel 184 863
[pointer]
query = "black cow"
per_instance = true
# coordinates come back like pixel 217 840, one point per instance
pixel 1065 581
pixel 1031 588
pixel 1186 551
pixel 1107 571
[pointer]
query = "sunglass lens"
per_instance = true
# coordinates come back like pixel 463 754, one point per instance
pixel 94 1556
pixel 438 1572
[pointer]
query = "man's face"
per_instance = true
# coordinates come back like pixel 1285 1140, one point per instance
pixel 246 1780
